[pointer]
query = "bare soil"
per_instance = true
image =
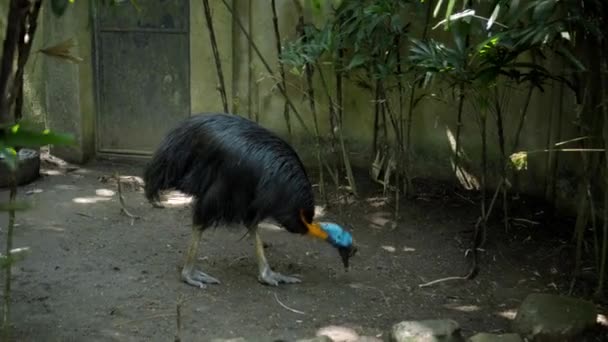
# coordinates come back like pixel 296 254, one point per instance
pixel 95 274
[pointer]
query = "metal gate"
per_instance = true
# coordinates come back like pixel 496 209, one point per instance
pixel 142 72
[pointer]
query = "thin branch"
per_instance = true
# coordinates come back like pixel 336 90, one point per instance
pixel 287 307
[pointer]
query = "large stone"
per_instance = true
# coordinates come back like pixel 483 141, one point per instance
pixel 485 337
pixel 426 331
pixel 549 317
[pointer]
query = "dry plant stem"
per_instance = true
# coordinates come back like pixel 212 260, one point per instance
pixel 592 213
pixel 503 156
pixel 376 116
pixel 216 55
pixel 458 127
pixel 9 246
pixel 313 110
pixel 602 270
pixel 408 138
pixel 123 206
pixel 178 320
pixel 520 127
pixel 268 68
pixel 582 218
pixel 477 244
pixel 277 34
pixel 484 170
pixel 336 125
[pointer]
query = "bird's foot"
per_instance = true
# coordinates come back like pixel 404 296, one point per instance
pixel 270 277
pixel 198 279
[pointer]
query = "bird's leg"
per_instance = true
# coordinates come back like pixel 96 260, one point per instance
pixel 266 274
pixel 189 274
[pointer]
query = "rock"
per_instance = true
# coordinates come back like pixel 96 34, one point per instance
pixel 485 337
pixel 446 330
pixel 317 339
pixel 338 333
pixel 553 318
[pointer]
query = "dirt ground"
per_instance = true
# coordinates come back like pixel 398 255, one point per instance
pixel 93 275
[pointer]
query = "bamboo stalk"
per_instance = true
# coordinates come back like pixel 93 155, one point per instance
pixel 267 66
pixel 6 324
pixel 216 55
pixel 277 34
pixel 503 157
pixel 16 14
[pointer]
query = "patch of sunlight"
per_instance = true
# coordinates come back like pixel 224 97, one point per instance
pixel 51 228
pixel 463 308
pixel 177 199
pixel 377 202
pixel 379 219
pixel 85 171
pixel 466 179
pixel 90 200
pixel 602 320
pixel 338 333
pixel 508 314
pixel 409 249
pixel 390 249
pixel 269 226
pixel 50 172
pixel 319 211
pixel 104 192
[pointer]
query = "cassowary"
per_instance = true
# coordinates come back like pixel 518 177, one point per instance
pixel 238 172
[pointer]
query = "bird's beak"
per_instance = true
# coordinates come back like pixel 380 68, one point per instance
pixel 346 253
pixel 314 229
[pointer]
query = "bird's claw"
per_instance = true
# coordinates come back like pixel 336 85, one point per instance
pixel 198 279
pixel 269 277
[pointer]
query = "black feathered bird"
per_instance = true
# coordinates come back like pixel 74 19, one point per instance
pixel 238 173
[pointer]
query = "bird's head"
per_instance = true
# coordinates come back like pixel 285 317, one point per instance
pixel 336 236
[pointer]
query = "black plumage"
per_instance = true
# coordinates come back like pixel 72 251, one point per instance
pixel 237 173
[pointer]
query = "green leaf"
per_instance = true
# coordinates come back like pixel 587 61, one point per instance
pixel 493 17
pixel 356 61
pixel 9 157
pixel 564 52
pixel 18 136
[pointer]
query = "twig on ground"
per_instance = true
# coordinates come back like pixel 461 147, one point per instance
pixel 287 307
pixel 525 221
pixel 430 283
pixel 178 319
pixel 464 198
